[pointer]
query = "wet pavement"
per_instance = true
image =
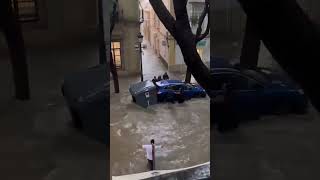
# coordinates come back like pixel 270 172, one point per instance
pixel 182 130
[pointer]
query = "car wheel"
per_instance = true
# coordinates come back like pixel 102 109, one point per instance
pixel 169 99
pixel 181 101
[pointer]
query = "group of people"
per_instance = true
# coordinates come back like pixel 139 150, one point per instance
pixel 165 76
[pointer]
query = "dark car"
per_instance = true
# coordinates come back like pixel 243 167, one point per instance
pixel 259 91
pixel 87 97
pixel 172 90
pixel 220 62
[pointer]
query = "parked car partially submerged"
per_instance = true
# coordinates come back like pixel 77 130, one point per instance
pixel 147 92
pixel 87 96
pixel 259 91
pixel 170 90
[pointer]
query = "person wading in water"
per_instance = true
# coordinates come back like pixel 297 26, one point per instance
pixel 150 154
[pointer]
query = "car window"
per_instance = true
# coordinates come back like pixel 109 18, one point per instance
pixel 176 87
pixel 219 80
pixel 244 83
pixel 188 87
pixel 252 84
pixel 239 82
pixel 168 87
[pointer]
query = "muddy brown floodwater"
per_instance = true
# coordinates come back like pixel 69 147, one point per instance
pixel 182 131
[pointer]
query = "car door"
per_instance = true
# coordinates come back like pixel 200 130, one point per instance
pixel 175 89
pixel 246 98
pixel 188 91
pixel 219 79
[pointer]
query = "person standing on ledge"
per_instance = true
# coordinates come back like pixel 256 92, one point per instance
pixel 154 80
pixel 150 154
pixel 165 76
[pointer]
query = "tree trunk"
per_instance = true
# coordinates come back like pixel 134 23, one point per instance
pixel 250 47
pixel 114 73
pixel 113 67
pixel 179 28
pixel 188 76
pixel 199 36
pixel 291 37
pixel 14 37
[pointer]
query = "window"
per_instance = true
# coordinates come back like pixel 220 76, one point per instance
pixel 116 54
pixel 219 80
pixel 188 87
pixel 26 10
pixel 243 83
pixel 176 87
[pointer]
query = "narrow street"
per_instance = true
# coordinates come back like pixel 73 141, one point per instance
pixel 182 130
pixel 152 66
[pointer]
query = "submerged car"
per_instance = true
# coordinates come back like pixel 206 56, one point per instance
pixel 259 91
pixel 172 90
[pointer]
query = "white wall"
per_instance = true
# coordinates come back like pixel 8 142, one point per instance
pixel 179 56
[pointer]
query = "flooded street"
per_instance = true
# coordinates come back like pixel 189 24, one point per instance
pixel 182 130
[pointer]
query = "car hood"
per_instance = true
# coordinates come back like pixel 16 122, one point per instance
pixel 283 82
pixel 280 80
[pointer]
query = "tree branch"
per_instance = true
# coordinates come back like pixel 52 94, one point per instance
pixel 185 38
pixel 180 9
pixel 164 15
pixel 113 16
pixel 201 19
pixel 207 31
pixel 294 43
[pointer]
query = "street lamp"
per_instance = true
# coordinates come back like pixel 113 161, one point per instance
pixel 140 39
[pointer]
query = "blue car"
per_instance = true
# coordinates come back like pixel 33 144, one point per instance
pixel 257 92
pixel 172 90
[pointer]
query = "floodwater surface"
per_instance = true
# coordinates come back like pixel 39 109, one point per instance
pixel 181 130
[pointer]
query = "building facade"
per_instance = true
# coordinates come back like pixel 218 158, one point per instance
pixel 124 38
pixel 47 22
pixel 164 44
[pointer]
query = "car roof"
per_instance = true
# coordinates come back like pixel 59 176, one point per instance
pixel 169 82
pixel 249 73
pixel 220 62
pixel 223 70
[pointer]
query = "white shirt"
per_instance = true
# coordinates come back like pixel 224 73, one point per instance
pixel 148 149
